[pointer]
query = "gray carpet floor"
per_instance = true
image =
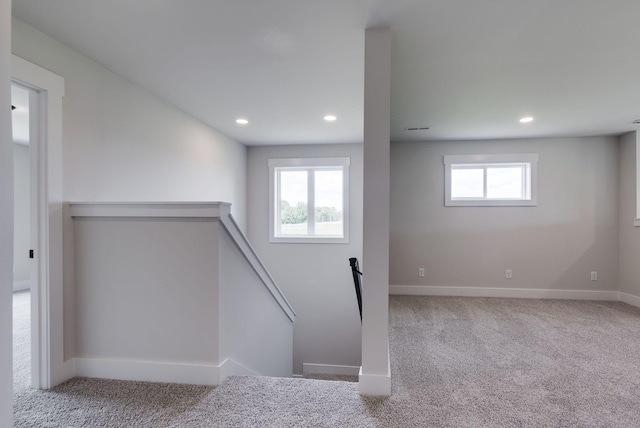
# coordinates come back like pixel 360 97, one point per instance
pixel 456 362
pixel 21 340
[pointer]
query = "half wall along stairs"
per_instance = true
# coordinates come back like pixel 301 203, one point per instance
pixel 190 278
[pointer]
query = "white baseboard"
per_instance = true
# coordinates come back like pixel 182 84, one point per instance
pixel 630 299
pixel 21 285
pixel 329 369
pixel 62 373
pixel 151 371
pixel 374 384
pixel 377 384
pixel 232 368
pixel 520 293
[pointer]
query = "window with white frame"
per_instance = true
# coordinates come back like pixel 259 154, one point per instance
pixel 309 200
pixel 491 180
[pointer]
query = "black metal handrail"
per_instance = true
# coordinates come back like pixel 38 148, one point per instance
pixel 355 270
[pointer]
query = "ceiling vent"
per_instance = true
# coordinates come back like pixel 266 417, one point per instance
pixel 414 129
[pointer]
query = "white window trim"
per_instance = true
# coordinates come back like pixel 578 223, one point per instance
pixel 343 162
pixel 636 221
pixel 531 158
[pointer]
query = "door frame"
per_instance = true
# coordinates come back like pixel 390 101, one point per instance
pixel 48 365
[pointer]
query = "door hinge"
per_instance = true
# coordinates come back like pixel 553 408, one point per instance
pixel 30 254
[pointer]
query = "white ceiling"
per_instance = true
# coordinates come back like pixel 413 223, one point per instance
pixel 469 69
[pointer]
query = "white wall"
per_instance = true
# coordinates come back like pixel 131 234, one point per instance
pixel 553 246
pixel 146 290
pixel 6 220
pixel 121 143
pixel 165 294
pixel 22 215
pixel 315 278
pixel 254 330
pixel 628 235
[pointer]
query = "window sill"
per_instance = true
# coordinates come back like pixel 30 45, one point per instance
pixel 308 240
pixel 491 203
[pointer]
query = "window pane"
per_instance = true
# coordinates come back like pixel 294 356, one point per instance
pixel 504 182
pixel 509 180
pixel 467 183
pixel 293 202
pixel 328 203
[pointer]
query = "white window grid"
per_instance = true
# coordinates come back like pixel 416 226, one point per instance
pixel 311 198
pixel 488 161
pixel 276 167
pixel 525 180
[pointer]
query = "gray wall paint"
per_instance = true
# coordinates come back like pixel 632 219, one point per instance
pixel 629 236
pixel 554 245
pixel 121 143
pixel 22 212
pixel 315 278
pixel 254 330
pixel 145 289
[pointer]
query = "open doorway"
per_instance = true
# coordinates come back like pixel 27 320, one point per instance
pixel 23 236
pixel 49 364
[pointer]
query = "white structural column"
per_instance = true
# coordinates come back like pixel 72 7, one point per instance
pixel 375 374
pixel 6 219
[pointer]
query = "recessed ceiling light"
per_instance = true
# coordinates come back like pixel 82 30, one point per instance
pixel 526 119
pixel 330 118
pixel 242 121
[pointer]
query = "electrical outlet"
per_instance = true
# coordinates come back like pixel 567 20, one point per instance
pixel 594 275
pixel 508 274
pixel 421 272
